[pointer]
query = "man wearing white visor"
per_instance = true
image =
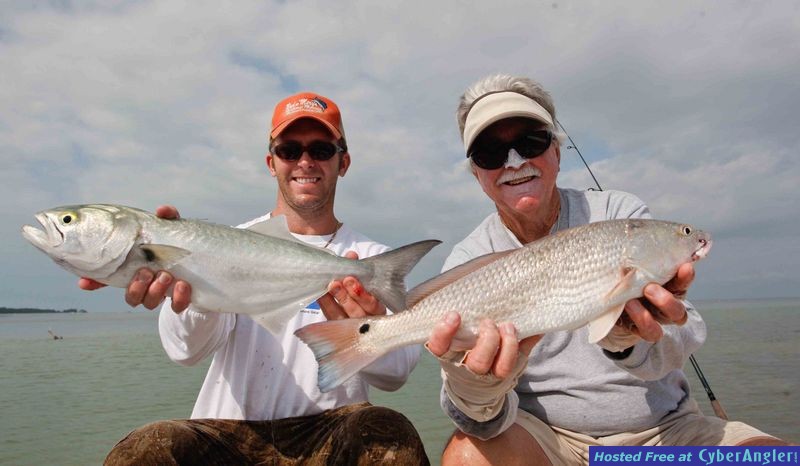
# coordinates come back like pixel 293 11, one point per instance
pixel 547 399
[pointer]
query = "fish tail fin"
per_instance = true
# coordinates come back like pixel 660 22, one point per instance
pixel 336 347
pixel 390 270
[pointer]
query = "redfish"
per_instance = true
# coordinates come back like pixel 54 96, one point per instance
pixel 583 275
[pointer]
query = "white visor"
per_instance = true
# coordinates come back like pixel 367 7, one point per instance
pixel 499 106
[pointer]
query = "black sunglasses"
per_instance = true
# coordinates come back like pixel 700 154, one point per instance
pixel 491 155
pixel 317 150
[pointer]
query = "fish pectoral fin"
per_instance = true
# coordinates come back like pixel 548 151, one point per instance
pixel 599 327
pixel 628 276
pixel 275 319
pixel 164 255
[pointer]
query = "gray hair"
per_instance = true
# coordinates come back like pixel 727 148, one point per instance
pixel 502 83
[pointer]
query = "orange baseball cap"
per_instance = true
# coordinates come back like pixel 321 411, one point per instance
pixel 307 105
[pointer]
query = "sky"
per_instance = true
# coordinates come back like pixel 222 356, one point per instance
pixel 689 105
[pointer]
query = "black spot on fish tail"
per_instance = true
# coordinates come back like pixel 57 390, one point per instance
pixel 149 255
pixel 363 329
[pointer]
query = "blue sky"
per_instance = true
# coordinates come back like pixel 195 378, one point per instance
pixel 689 105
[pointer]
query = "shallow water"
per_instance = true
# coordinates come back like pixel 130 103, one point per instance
pixel 68 401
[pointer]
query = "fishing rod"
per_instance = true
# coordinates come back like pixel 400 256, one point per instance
pixel 715 404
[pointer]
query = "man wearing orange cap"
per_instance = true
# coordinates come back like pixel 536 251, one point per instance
pixel 260 402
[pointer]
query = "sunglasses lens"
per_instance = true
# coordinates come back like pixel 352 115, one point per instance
pixel 493 156
pixel 533 144
pixel 321 150
pixel 488 160
pixel 318 150
pixel 488 156
pixel 291 150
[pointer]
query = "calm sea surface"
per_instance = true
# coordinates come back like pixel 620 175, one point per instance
pixel 67 402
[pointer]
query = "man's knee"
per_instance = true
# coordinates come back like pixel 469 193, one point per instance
pixel 514 446
pixel 463 449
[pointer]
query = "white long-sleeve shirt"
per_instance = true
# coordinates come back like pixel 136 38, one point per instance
pixel 256 375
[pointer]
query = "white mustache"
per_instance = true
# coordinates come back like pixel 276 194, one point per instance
pixel 524 172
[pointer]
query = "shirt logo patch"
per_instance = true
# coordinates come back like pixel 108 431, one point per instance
pixel 314 305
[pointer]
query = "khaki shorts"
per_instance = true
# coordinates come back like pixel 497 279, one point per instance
pixel 564 447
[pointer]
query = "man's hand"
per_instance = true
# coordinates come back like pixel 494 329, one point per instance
pixel 347 298
pixel 496 350
pixel 660 305
pixel 149 288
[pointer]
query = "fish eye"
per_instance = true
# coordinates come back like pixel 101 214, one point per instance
pixel 67 219
pixel 687 230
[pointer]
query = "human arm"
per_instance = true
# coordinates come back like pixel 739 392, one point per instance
pixel 658 333
pixel 478 387
pixel 653 361
pixel 477 390
pixel 190 336
pixel 661 328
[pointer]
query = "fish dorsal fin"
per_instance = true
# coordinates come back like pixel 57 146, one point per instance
pixel 274 226
pixel 427 288
pixel 599 327
pixel 164 255
pixel 277 227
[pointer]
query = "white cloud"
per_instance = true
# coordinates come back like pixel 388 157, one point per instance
pixel 689 105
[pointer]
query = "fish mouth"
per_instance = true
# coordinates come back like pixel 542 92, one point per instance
pixel 517 177
pixel 702 251
pixel 49 238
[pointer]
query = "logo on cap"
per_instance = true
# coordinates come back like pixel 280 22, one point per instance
pixel 306 105
pixel 315 105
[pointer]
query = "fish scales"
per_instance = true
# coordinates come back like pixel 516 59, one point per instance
pixel 532 289
pixel 559 282
pixel 266 273
pixel 241 257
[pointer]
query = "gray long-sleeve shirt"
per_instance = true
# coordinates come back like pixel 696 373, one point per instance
pixel 570 383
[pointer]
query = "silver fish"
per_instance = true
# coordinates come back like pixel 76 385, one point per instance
pixel 580 276
pixel 263 271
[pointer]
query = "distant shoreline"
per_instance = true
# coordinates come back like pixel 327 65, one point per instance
pixel 32 310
